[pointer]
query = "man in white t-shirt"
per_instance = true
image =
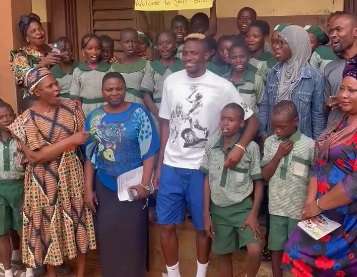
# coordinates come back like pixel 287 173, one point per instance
pixel 189 116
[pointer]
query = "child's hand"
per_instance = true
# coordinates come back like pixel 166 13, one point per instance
pixel 284 148
pixel 208 225
pixel 252 222
pixel 80 138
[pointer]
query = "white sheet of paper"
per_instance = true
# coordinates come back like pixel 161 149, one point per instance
pixel 128 180
pixel 318 226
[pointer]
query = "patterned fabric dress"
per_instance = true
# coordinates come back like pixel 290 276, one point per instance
pixel 336 253
pixel 56 224
pixel 23 59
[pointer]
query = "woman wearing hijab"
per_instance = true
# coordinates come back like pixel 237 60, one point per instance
pixel 293 78
pixel 35 52
pixel 56 223
pixel 332 192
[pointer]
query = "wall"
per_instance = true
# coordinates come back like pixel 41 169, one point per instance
pixel 300 12
pixel 10 38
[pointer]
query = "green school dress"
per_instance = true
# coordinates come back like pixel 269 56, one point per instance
pixel 264 62
pixel 321 57
pixel 250 87
pixel 133 74
pixel 64 79
pixel 87 85
pixel 155 74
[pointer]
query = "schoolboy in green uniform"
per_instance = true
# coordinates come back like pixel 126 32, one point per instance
pixel 245 77
pixel 63 72
pixel 231 216
pixel 321 53
pixel 11 187
pixel 288 155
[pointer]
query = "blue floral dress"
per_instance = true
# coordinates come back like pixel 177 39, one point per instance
pixel 120 142
pixel 336 253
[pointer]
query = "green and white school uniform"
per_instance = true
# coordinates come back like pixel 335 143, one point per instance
pixel 64 79
pixel 322 56
pixel 11 187
pixel 87 85
pixel 179 51
pixel 155 74
pixel 264 62
pixel 251 87
pixel 221 69
pixel 133 74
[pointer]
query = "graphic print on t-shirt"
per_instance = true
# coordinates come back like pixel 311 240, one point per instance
pixel 193 133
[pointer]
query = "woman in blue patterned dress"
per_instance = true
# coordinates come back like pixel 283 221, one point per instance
pixel 333 193
pixel 122 138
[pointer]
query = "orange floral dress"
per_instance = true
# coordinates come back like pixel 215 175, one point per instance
pixel 56 223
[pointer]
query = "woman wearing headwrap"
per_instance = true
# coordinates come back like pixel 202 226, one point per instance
pixel 35 52
pixel 321 53
pixel 332 192
pixel 56 223
pixel 293 78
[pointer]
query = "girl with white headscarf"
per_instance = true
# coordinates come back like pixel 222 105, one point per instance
pixel 294 79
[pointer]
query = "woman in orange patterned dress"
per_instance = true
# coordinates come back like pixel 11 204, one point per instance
pixel 56 223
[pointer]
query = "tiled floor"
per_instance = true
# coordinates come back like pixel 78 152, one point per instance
pixel 187 258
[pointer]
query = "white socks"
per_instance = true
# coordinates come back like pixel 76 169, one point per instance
pixel 201 269
pixel 173 271
pixel 8 273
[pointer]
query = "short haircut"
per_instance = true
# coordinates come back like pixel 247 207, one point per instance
pixel 242 45
pixel 167 32
pixel 262 25
pixel 129 30
pixel 236 107
pixel 350 16
pixel 204 41
pixel 87 38
pixel 211 43
pixel 7 106
pixel 180 18
pixel 107 39
pixel 248 9
pixel 231 38
pixel 286 107
pixel 113 75
pixel 201 17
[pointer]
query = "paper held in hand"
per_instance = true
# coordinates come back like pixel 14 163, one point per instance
pixel 318 226
pixel 128 180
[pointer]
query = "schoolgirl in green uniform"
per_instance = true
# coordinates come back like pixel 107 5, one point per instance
pixel 87 76
pixel 63 72
pixel 245 77
pixel 131 66
pixel 255 39
pixel 322 54
pixel 156 71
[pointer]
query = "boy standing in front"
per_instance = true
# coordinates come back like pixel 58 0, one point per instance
pixel 288 155
pixel 231 214
pixel 11 187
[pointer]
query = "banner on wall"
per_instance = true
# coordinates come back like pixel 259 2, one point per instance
pixel 169 5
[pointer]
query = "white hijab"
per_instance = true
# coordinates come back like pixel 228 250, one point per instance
pixel 299 44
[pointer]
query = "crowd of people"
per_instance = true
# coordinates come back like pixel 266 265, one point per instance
pixel 183 126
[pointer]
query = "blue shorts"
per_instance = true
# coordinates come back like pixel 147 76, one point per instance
pixel 180 189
